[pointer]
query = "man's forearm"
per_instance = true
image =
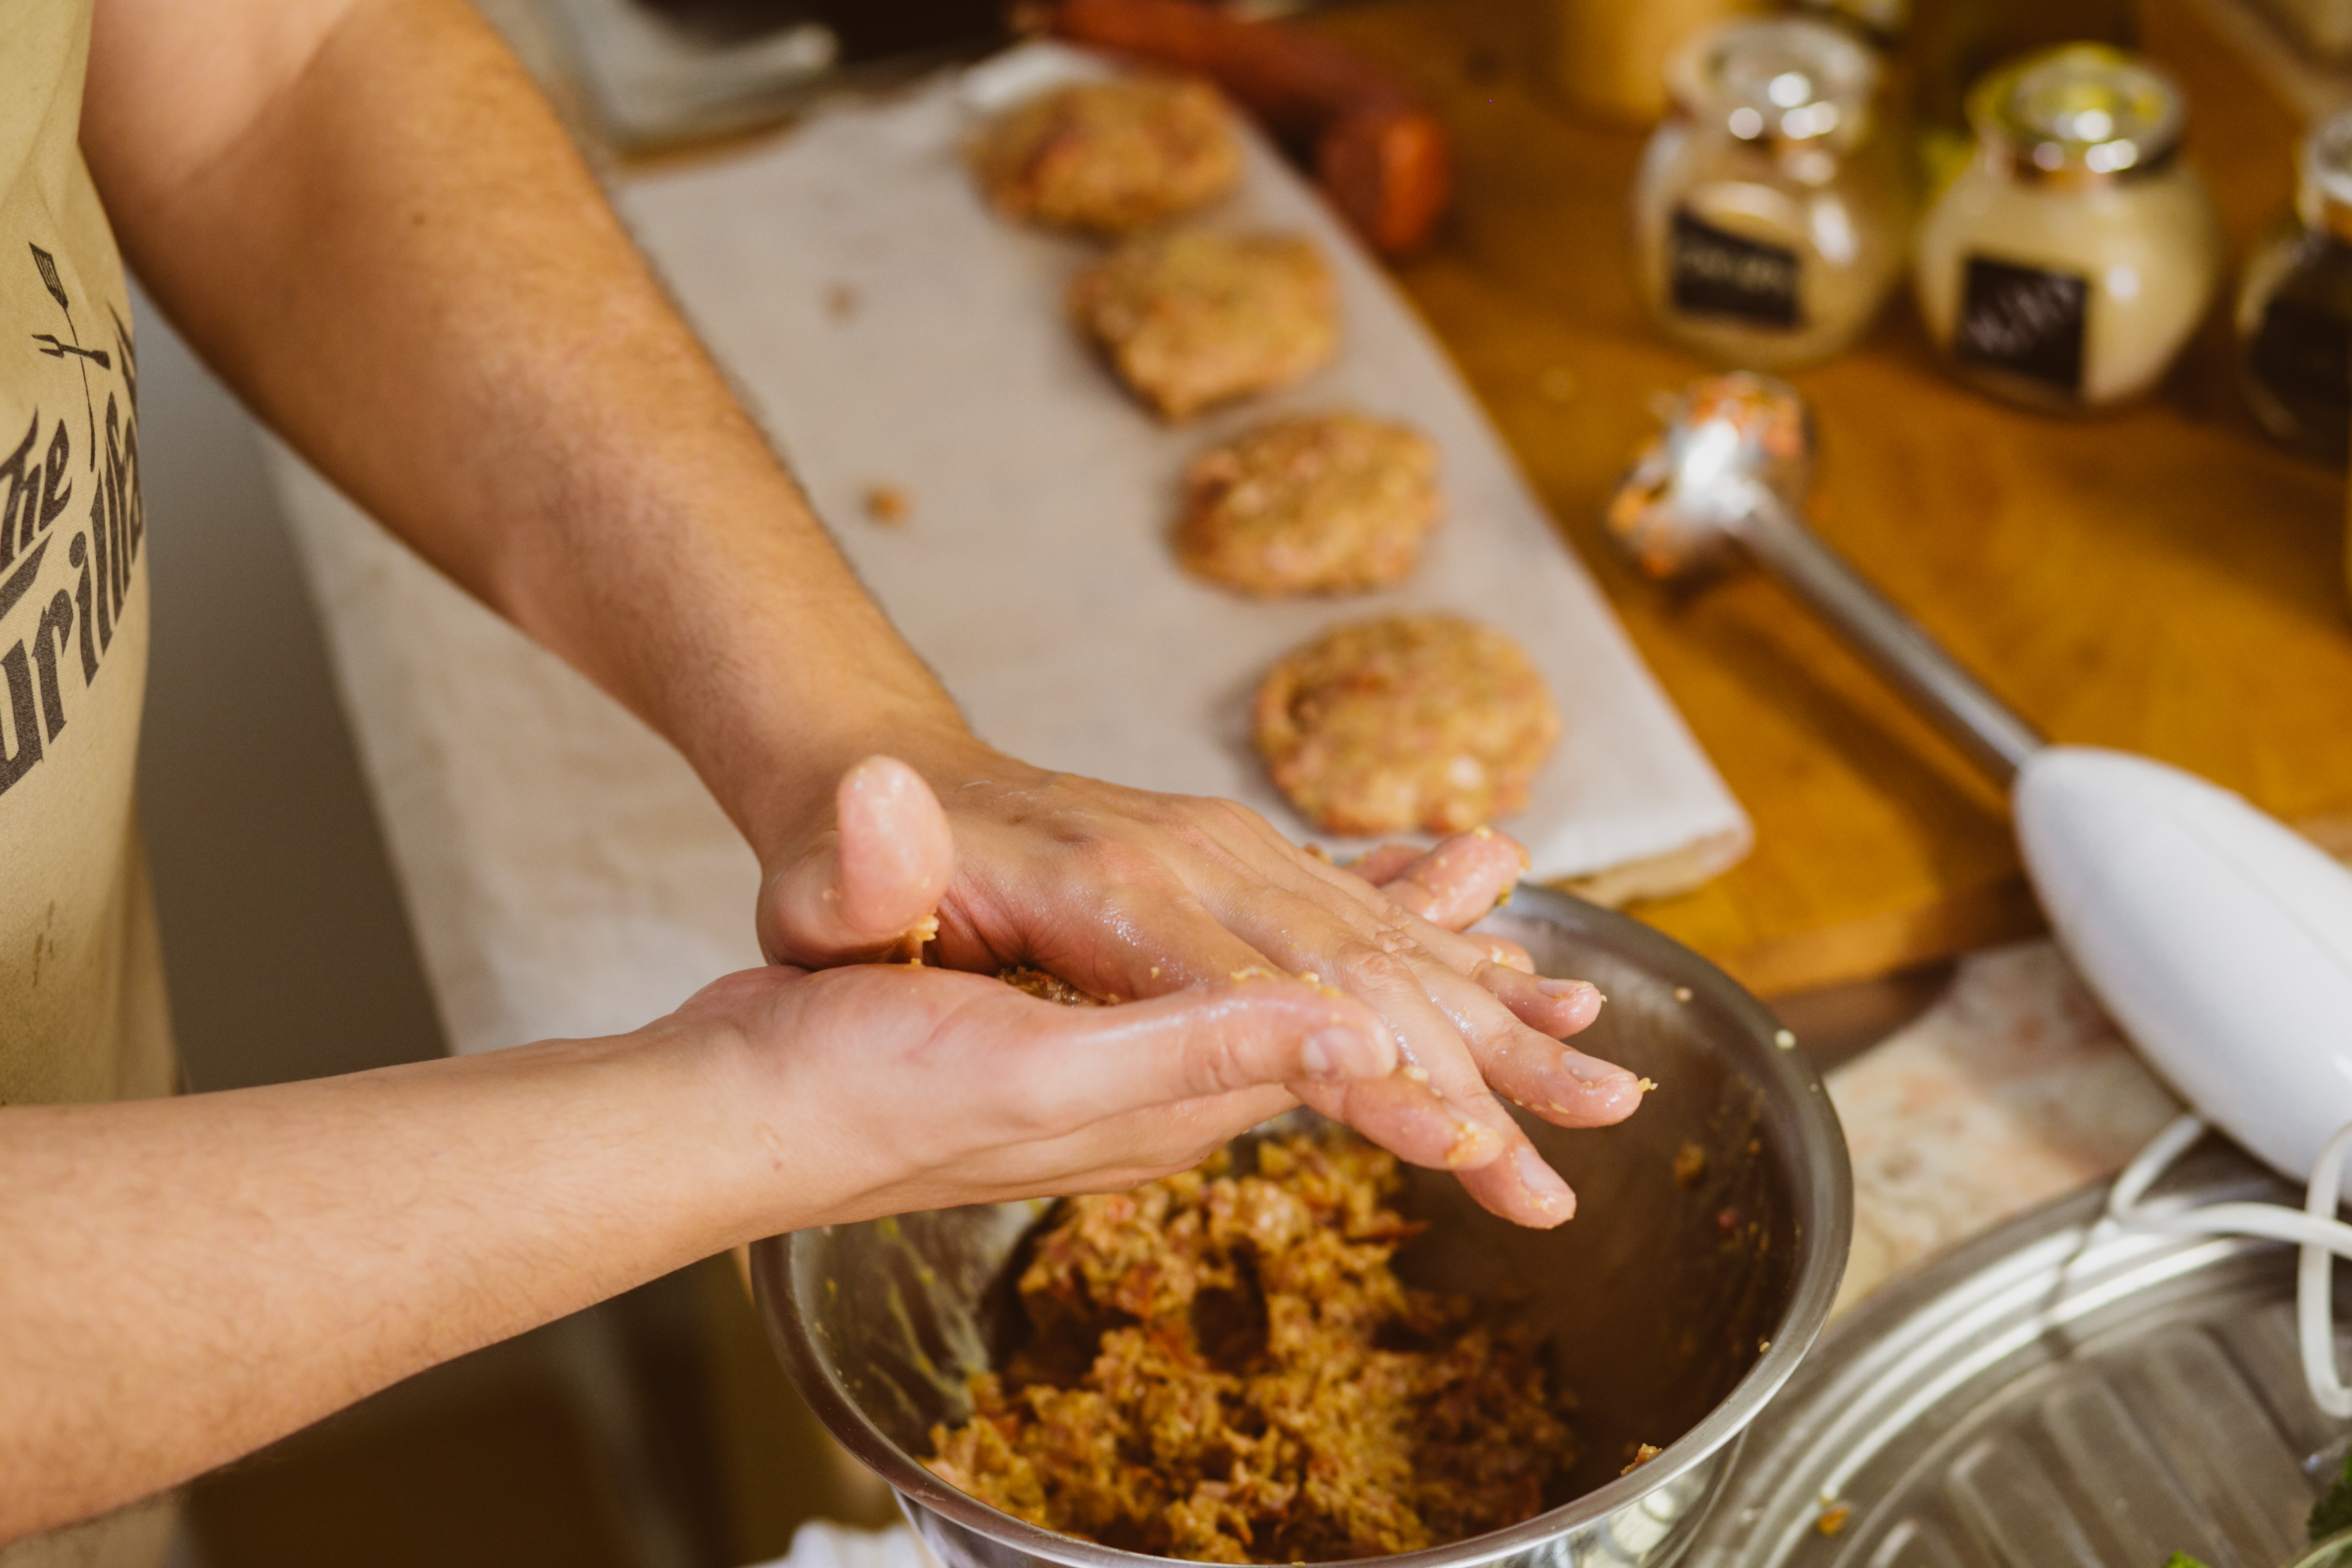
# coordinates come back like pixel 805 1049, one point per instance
pixel 188 1279
pixel 362 213
pixel 393 252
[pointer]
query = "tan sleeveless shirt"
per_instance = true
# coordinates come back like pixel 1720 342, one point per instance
pixel 81 992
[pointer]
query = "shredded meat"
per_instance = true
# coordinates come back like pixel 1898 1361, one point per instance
pixel 1226 1369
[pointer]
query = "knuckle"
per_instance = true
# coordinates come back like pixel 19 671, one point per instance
pixel 1492 974
pixel 1503 952
pixel 1182 812
pixel 1115 862
pixel 1482 1013
pixel 1317 924
pixel 1373 963
pixel 1396 921
pixel 1210 826
pixel 1218 1061
pixel 1173 813
pixel 1233 814
pixel 1036 1101
pixel 1030 1093
pixel 1405 899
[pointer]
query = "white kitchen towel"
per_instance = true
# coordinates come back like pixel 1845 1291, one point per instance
pixel 564 870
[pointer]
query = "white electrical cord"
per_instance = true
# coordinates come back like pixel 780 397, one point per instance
pixel 2313 1227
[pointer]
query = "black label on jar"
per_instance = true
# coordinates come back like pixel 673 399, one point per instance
pixel 2023 319
pixel 1718 273
pixel 2303 355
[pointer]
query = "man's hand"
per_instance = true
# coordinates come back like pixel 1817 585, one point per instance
pixel 896 1087
pixel 1127 894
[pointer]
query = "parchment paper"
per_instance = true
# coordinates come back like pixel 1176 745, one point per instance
pixel 565 872
pixel 1034 570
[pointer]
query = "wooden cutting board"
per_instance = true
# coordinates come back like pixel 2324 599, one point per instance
pixel 2162 579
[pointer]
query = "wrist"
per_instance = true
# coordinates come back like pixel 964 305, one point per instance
pixel 730 1126
pixel 791 804
pixel 788 1153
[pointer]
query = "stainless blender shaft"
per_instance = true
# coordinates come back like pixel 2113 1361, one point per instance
pixel 1890 640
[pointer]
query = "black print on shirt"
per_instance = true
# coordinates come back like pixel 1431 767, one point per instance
pixel 46 638
pixel 47 266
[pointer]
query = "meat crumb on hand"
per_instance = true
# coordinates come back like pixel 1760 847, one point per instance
pixel 1047 987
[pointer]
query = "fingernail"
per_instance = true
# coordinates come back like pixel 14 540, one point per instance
pixel 1593 1071
pixel 1541 1181
pixel 1566 987
pixel 1342 1054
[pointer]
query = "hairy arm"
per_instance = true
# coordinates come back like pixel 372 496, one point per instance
pixel 365 217
pixel 187 1279
pixel 190 1278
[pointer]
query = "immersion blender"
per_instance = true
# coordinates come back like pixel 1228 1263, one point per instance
pixel 2220 940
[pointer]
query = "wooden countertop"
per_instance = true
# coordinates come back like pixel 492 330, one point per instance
pixel 2162 579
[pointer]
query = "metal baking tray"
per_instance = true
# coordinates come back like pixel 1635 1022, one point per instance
pixel 2057 1392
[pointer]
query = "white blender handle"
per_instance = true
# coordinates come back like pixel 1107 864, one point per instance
pixel 2218 941
pixel 2217 938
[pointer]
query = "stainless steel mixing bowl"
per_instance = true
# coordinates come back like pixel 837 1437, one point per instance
pixel 1677 1304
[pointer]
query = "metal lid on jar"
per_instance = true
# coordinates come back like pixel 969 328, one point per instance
pixel 2324 194
pixel 1788 80
pixel 2077 113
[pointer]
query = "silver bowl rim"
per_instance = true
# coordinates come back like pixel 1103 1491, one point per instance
pixel 1822 1204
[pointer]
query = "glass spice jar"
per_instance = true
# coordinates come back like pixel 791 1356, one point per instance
pixel 1606 60
pixel 1768 222
pixel 2067 265
pixel 2295 307
pixel 1953 44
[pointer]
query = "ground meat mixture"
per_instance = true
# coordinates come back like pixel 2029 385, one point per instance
pixel 1200 316
pixel 1047 987
pixel 1110 155
pixel 1319 503
pixel 1427 721
pixel 1224 1368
